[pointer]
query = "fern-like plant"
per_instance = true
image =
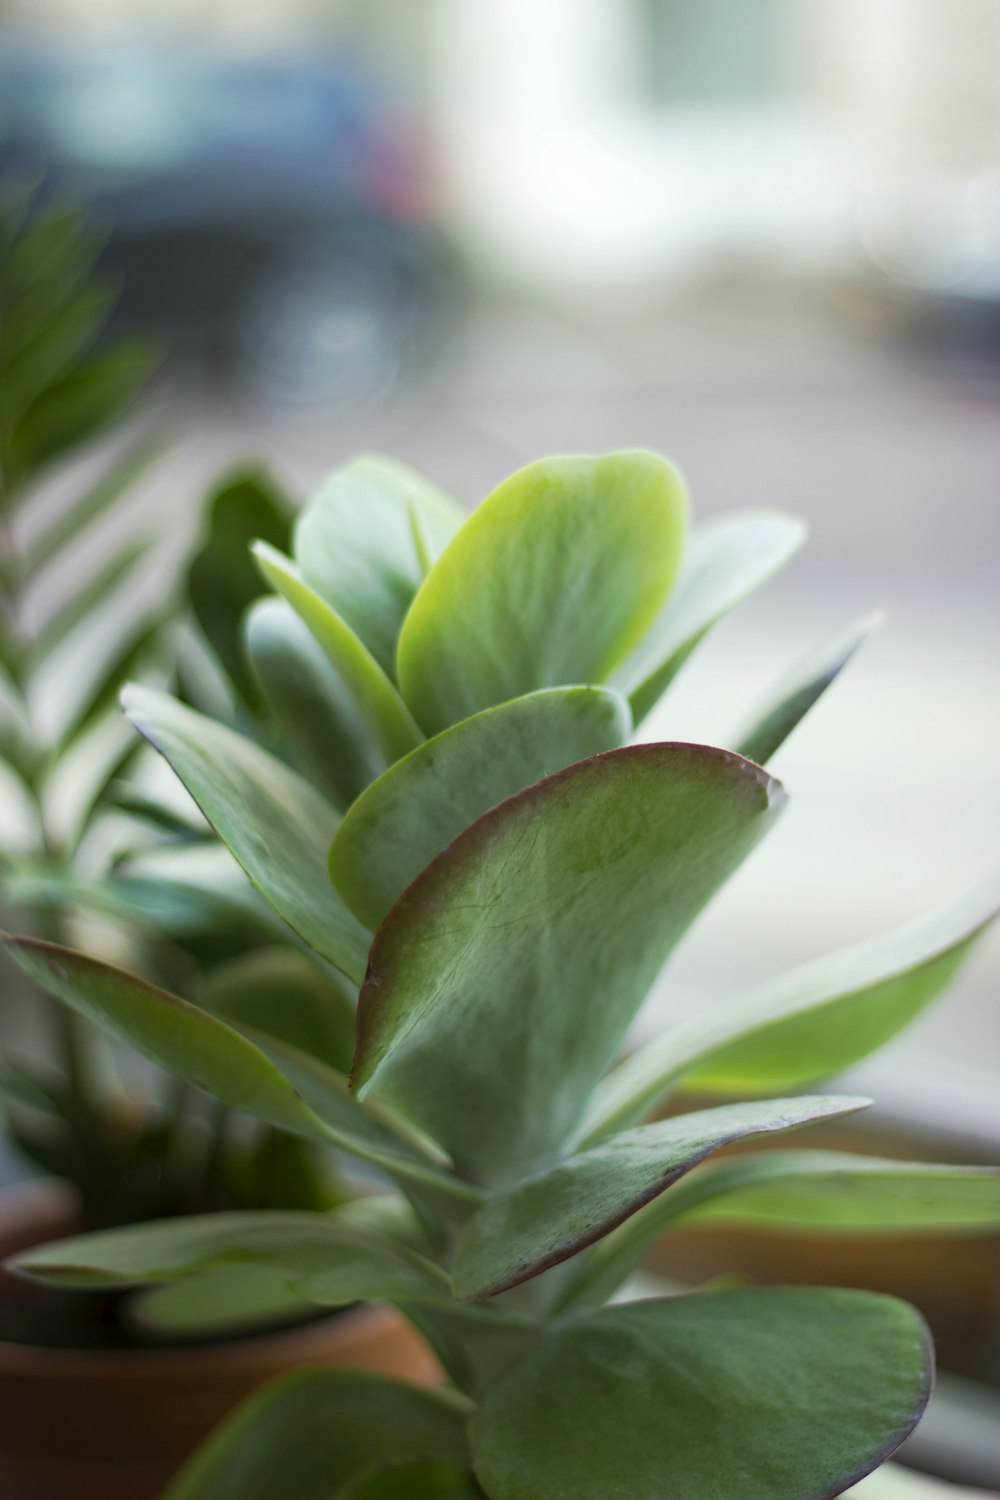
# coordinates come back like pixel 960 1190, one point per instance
pixel 70 635
pixel 480 847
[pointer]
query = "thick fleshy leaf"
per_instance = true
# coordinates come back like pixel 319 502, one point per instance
pixel 546 1219
pixel 795 695
pixel 272 821
pixel 726 560
pixel 552 581
pixel 823 1192
pixel 233 1067
pixel 324 1262
pixel 837 1192
pixel 221 1303
pixel 317 715
pixel 167 1029
pixel 382 711
pixel 309 1434
pixel 500 987
pixel 425 800
pixel 288 995
pixel 223 580
pixel 770 1394
pixel 356 547
pixel 418 1479
pixel 806 1025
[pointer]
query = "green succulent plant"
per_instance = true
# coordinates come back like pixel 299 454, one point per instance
pixel 497 873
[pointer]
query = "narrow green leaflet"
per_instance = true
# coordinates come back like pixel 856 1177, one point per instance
pixel 323 1261
pixel 307 1435
pixel 356 545
pixel 92 593
pixel 382 711
pixel 121 474
pixel 272 822
pixel 318 716
pixel 500 988
pixel 552 581
pixel 726 560
pixel 837 1192
pixel 796 694
pixel 426 799
pixel 288 995
pixel 223 580
pixel 546 1219
pixel 771 1394
pixel 805 1025
pixel 80 405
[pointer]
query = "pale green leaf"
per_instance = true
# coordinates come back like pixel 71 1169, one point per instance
pixel 219 1304
pixel 840 1193
pixel 800 1192
pixel 789 703
pixel 382 711
pixel 426 799
pixel 546 1219
pixel 316 714
pixel 501 987
pixel 288 995
pixel 771 1394
pixel 273 822
pixel 256 1073
pixel 309 1434
pixel 324 1262
pixel 806 1025
pixel 552 581
pixel 168 1030
pixel 223 579
pixel 726 560
pixel 355 545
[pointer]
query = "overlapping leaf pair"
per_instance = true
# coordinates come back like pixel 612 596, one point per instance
pixel 475 848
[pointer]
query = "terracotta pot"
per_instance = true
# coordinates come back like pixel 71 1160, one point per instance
pixel 117 1424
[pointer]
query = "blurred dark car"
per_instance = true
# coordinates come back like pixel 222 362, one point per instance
pixel 269 216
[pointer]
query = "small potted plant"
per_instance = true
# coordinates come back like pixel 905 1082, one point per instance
pixel 112 1153
pixel 500 872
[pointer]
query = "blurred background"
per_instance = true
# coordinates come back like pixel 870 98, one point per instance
pixel 762 236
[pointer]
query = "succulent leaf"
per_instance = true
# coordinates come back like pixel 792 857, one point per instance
pixel 426 799
pixel 325 1262
pixel 381 709
pixel 805 1025
pixel 272 821
pixel 318 716
pixel 311 1433
pixel 288 995
pixel 223 580
pixel 501 986
pixel 546 1219
pixel 768 1394
pixel 355 545
pixel 795 695
pixel 726 560
pixel 552 581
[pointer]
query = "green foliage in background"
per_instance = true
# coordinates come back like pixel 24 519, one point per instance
pixel 72 567
pixel 457 819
